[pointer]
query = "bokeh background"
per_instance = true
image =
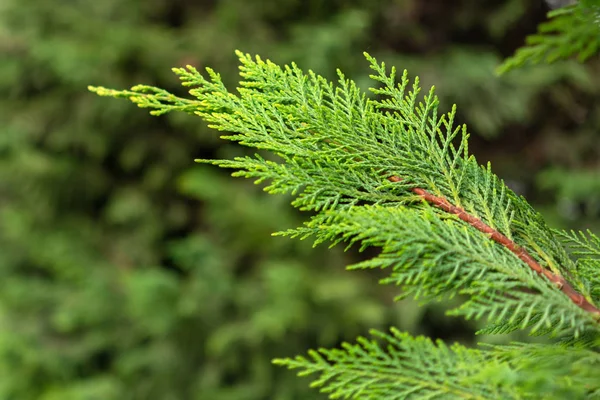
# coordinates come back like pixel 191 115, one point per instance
pixel 129 272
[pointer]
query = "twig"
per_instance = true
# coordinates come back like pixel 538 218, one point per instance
pixel 498 237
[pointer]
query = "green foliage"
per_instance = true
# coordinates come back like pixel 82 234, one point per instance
pixel 121 273
pixel 573 30
pixel 582 245
pixel 402 368
pixel 336 150
pixel 398 366
pixel 586 249
pixel 128 272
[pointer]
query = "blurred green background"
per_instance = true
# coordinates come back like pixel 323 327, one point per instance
pixel 129 272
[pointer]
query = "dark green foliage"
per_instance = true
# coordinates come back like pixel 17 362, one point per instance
pixel 128 272
pixel 122 276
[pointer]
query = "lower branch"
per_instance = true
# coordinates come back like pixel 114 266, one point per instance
pixel 498 237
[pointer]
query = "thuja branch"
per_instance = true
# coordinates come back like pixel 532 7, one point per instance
pixel 501 239
pixel 335 147
pixel 335 144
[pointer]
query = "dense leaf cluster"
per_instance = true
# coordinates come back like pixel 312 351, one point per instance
pixel 121 270
pixel 336 149
pixel 125 274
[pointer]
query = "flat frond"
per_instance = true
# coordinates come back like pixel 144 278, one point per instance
pixel 432 257
pixel 402 367
pixel 391 172
pixel 398 366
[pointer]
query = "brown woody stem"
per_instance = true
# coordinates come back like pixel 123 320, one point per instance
pixel 498 237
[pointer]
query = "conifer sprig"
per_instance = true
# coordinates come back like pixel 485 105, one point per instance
pixel 338 149
pixel 395 174
pixel 405 367
pixel 397 366
pixel 573 30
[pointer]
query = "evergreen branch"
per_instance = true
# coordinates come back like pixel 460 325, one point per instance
pixel 407 368
pixel 569 31
pixel 416 368
pixel 434 255
pixel 499 238
pixel 558 370
pixel 336 148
